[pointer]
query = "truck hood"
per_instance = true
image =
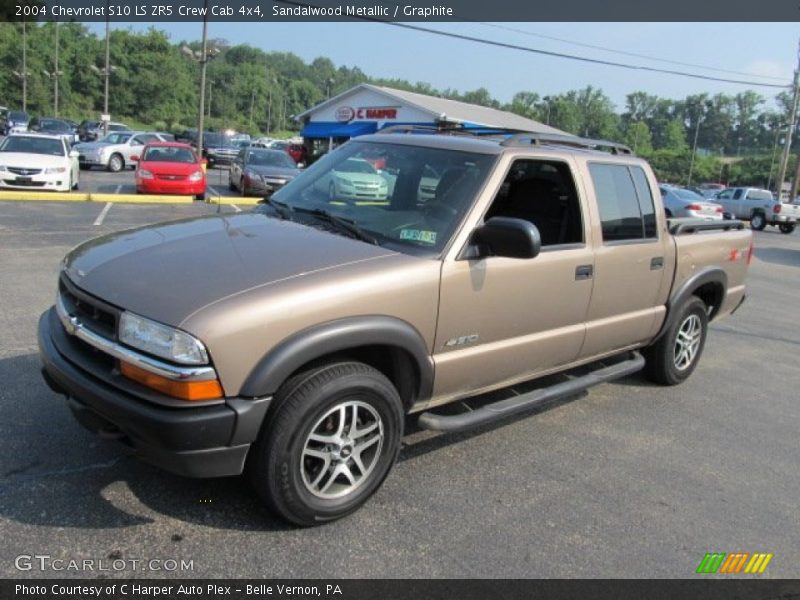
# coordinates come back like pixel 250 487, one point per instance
pixel 167 272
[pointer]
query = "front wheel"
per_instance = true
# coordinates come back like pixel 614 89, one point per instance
pixel 675 355
pixel 330 442
pixel 786 227
pixel 758 221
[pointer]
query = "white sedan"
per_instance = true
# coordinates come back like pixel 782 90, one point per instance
pixel 38 162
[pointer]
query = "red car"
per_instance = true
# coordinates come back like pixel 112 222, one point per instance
pixel 170 168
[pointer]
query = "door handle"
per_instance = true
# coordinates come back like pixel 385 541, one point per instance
pixel 656 263
pixel 583 272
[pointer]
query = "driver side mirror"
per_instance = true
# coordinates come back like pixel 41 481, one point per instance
pixel 504 236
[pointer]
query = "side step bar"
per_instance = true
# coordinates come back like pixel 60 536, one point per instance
pixel 505 408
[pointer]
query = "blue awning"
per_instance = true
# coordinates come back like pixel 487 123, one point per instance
pixel 329 129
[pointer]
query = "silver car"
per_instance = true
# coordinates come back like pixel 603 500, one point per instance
pixel 680 203
pixel 114 151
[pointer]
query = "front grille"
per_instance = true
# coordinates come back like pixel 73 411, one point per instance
pixel 94 314
pixel 172 177
pixel 20 171
pixel 18 183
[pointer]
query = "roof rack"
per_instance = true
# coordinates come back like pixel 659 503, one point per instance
pixel 538 139
pixel 450 129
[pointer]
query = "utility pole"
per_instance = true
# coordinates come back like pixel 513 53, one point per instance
pixel 792 122
pixel 24 67
pixel 56 73
pixel 252 106
pixel 203 66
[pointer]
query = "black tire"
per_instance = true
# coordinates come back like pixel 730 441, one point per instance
pixel 201 196
pixel 280 466
pixel 115 163
pixel 243 188
pixel 758 221
pixel 663 365
pixel 786 227
pixel 85 167
pixel 231 185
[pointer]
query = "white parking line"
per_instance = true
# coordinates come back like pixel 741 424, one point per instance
pixel 213 190
pixel 236 208
pixel 119 187
pixel 103 213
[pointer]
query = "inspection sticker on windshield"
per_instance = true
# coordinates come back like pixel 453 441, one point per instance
pixel 418 235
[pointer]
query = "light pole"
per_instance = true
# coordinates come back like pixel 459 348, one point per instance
pixel 106 74
pixel 774 154
pixel 547 99
pixel 330 83
pixel 210 89
pixel 202 56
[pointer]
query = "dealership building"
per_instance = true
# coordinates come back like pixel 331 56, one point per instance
pixel 369 108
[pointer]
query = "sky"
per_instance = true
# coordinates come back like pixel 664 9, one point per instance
pixel 381 50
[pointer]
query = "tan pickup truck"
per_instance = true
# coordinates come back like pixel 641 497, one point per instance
pixel 294 341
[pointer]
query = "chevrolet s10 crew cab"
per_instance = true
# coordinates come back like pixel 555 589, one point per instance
pixel 293 341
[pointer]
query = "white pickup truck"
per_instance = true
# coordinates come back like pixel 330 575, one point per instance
pixel 760 207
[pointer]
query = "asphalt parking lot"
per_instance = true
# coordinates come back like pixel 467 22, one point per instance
pixel 628 480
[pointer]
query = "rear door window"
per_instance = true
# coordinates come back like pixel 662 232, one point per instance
pixel 626 208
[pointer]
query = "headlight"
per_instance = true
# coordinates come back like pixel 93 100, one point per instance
pixel 161 340
pixel 49 170
pixel 196 176
pixel 345 183
pixel 144 174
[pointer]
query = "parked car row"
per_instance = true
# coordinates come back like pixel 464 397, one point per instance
pixel 715 201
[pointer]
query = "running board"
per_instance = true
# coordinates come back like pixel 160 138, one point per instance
pixel 511 406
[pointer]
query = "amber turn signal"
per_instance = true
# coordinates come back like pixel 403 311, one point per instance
pixel 185 390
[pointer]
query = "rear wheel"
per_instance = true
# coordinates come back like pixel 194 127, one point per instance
pixel 786 227
pixel 115 163
pixel 758 221
pixel 330 442
pixel 676 353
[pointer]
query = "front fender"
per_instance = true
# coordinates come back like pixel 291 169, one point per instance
pixel 337 336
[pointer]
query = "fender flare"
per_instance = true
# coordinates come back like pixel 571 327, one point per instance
pixel 289 355
pixel 702 277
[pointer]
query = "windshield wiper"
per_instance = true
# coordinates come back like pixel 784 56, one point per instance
pixel 342 224
pixel 284 210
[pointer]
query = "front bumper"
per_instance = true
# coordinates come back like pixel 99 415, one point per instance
pixel 51 181
pixel 161 186
pixel 204 441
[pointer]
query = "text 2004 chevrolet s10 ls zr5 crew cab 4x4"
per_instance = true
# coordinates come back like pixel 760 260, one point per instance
pixel 290 342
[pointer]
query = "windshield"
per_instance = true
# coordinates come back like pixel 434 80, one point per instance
pixel 115 138
pixel 215 139
pixel 53 125
pixel 17 116
pixel 413 204
pixel 270 158
pixel 117 127
pixel 169 154
pixel 687 195
pixel 32 145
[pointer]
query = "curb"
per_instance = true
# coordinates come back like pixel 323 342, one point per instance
pixel 233 200
pixel 22 196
